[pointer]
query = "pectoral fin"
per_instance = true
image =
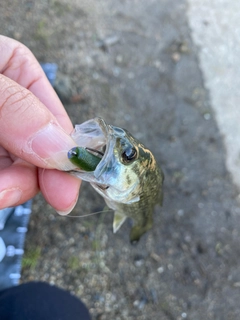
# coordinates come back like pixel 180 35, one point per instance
pixel 118 220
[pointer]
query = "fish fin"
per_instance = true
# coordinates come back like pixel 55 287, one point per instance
pixel 135 234
pixel 139 229
pixel 118 220
pixel 106 208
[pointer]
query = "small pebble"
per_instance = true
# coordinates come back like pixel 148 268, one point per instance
pixel 160 270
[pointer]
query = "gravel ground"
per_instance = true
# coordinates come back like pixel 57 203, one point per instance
pixel 134 64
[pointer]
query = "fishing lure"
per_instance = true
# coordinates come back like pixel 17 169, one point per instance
pixel 121 169
pixel 83 159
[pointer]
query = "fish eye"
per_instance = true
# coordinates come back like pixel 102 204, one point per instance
pixel 129 155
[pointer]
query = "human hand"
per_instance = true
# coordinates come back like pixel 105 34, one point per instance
pixel 34 133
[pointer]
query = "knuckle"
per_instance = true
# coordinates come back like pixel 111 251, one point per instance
pixel 15 101
pixel 21 113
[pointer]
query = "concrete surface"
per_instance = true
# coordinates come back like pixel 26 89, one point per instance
pixel 215 29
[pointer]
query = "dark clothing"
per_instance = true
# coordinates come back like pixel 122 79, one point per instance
pixel 40 301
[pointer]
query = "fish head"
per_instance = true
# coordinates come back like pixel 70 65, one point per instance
pixel 119 177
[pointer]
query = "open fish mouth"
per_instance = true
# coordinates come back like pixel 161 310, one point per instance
pixel 96 152
pixel 92 134
pixel 98 138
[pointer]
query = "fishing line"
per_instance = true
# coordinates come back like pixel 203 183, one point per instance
pixel 69 216
pixel 87 215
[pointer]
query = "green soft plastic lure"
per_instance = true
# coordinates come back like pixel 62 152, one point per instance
pixel 83 159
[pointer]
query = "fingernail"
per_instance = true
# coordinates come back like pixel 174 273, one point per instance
pixel 67 211
pixel 52 144
pixel 10 197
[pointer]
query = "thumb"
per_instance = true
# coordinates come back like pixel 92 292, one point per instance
pixel 29 130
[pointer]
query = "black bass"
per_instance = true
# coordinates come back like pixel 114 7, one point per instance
pixel 124 172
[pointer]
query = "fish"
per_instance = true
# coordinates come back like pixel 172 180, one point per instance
pixel 125 173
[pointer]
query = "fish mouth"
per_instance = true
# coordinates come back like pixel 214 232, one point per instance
pixel 93 135
pixel 96 152
pixel 98 138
